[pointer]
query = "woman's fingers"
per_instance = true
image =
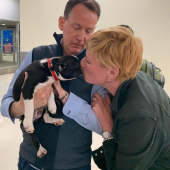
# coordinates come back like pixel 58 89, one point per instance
pixel 103 111
pixel 108 99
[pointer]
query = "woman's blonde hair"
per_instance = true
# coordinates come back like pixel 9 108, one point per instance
pixel 117 47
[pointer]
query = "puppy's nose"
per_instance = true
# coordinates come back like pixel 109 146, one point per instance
pixel 80 72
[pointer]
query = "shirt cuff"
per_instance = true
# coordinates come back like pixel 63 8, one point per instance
pixel 69 108
pixel 5 110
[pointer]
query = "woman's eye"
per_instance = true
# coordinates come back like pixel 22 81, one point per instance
pixel 87 61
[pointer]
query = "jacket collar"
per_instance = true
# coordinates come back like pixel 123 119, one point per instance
pixel 120 97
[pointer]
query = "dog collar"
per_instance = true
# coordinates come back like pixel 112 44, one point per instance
pixel 52 72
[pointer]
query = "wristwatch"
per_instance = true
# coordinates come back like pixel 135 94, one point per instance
pixel 107 135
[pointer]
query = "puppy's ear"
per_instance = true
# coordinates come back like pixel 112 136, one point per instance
pixel 54 63
pixel 55 60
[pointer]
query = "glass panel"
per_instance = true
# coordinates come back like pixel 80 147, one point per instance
pixel 9 50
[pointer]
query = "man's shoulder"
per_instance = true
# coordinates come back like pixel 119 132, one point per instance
pixel 46 51
pixel 45 48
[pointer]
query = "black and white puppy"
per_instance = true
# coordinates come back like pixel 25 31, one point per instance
pixel 41 73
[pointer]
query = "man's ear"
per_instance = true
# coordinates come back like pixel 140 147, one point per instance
pixel 61 22
pixel 114 72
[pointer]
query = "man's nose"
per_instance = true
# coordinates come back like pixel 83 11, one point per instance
pixel 81 36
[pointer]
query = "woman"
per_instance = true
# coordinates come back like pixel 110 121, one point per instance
pixel 135 117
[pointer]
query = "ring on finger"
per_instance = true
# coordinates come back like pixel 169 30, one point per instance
pixel 94 99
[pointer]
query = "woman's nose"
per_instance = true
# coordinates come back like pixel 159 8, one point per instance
pixel 82 62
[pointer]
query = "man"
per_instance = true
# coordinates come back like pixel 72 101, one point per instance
pixel 68 146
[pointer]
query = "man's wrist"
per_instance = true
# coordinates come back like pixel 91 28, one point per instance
pixel 61 93
pixel 65 97
pixel 16 109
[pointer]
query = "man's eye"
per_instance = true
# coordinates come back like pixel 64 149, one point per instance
pixel 89 31
pixel 76 28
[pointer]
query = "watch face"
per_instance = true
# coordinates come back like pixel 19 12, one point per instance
pixel 106 134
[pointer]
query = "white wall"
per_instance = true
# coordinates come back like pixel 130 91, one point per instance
pixel 9 10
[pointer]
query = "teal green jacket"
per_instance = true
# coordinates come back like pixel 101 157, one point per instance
pixel 141 113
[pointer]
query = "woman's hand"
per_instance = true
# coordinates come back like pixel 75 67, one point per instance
pixel 103 111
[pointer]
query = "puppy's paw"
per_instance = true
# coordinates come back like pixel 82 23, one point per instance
pixel 41 152
pixel 52 107
pixel 28 126
pixel 58 122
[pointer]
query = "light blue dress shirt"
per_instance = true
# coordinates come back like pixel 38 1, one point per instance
pixel 80 111
pixel 75 107
pixel 8 97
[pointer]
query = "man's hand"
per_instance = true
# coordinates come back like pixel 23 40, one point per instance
pixel 103 111
pixel 41 96
pixel 61 91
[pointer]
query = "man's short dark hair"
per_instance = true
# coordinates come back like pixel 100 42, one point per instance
pixel 127 26
pixel 90 4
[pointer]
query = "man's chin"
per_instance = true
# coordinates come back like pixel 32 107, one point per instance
pixel 76 51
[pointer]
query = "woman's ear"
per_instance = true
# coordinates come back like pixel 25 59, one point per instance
pixel 61 22
pixel 114 72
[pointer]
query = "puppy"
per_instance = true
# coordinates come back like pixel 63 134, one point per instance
pixel 41 73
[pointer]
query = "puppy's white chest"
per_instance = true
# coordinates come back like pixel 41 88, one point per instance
pixel 40 85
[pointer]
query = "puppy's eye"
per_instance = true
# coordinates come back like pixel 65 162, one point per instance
pixel 60 67
pixel 65 65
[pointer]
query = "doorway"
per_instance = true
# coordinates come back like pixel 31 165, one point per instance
pixel 9 47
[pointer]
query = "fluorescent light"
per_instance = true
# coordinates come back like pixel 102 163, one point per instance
pixel 3 24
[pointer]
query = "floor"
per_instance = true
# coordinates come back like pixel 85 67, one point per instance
pixel 11 137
